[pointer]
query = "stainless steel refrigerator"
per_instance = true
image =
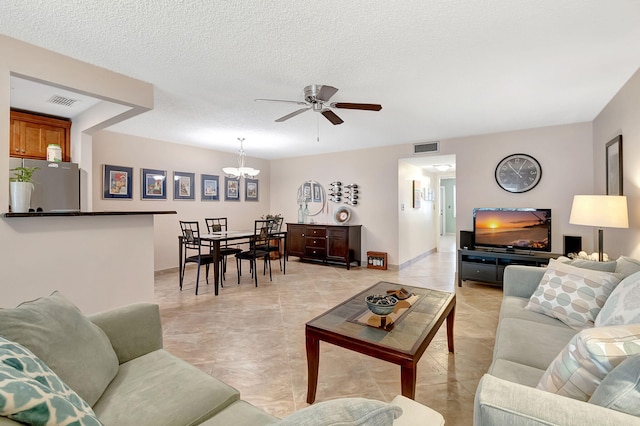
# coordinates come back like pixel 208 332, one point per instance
pixel 56 185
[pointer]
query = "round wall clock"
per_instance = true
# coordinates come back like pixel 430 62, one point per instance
pixel 518 173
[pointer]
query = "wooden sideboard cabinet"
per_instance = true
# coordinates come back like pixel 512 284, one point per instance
pixel 31 133
pixel 336 244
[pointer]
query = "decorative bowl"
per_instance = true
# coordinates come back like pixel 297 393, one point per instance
pixel 381 304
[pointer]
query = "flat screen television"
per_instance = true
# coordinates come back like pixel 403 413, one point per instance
pixel 512 229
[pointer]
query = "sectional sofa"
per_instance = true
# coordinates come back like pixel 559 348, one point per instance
pixel 582 369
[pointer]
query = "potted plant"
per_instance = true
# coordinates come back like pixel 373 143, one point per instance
pixel 20 186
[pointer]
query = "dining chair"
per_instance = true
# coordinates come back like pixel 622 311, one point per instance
pixel 219 224
pixel 275 229
pixel 258 249
pixel 192 251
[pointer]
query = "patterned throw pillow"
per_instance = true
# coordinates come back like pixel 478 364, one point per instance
pixel 588 358
pixel 623 305
pixel 31 393
pixel 571 294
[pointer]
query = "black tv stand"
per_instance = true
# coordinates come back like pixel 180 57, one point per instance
pixel 488 265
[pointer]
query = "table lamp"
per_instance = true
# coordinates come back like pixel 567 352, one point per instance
pixel 603 211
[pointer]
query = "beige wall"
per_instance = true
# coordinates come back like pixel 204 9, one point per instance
pixel 130 151
pixel 565 155
pixel 97 262
pixel 621 117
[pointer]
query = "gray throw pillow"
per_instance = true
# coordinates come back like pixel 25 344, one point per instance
pixel 620 389
pixel 55 330
pixel 627 265
pixel 344 412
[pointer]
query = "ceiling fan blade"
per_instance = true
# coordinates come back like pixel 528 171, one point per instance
pixel 281 100
pixel 326 92
pixel 332 117
pixel 348 105
pixel 293 114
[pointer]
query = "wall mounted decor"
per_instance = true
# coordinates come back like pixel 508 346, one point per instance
pixel 116 182
pixel 335 191
pixel 210 187
pixel 416 194
pixel 614 166
pixel 518 173
pixel 351 194
pixel 153 184
pixel 184 186
pixel 250 189
pixel 231 189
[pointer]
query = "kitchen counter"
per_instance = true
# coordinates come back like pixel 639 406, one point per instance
pixel 104 213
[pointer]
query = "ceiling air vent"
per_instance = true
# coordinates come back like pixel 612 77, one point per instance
pixel 61 100
pixel 424 148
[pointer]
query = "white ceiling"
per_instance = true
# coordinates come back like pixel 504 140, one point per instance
pixel 440 68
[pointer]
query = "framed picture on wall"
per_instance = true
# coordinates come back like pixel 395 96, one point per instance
pixel 116 182
pixel 614 166
pixel 153 184
pixel 250 189
pixel 416 194
pixel 184 186
pixel 232 189
pixel 210 188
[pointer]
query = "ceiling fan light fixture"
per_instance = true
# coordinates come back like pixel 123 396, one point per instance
pixel 241 170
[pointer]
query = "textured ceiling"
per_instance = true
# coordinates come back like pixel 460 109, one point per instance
pixel 440 68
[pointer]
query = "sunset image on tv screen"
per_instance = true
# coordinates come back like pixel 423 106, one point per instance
pixel 513 228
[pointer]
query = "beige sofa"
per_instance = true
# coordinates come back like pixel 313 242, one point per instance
pixel 527 343
pixel 116 363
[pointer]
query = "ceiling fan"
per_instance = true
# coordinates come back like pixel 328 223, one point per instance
pixel 316 98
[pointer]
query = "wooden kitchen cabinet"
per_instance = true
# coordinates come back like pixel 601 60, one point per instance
pixel 325 243
pixel 31 133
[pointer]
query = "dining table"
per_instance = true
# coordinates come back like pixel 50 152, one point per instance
pixel 215 240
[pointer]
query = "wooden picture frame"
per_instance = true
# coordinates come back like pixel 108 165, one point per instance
pixel 231 189
pixel 210 187
pixel 153 184
pixel 417 194
pixel 116 182
pixel 614 166
pixel 184 186
pixel 251 188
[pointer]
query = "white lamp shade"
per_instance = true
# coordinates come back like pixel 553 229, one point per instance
pixel 603 211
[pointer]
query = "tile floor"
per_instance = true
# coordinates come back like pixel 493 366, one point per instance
pixel 253 338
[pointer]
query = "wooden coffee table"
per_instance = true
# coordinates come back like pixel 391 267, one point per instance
pixel 403 344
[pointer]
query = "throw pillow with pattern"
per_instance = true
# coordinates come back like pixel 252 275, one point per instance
pixel 573 295
pixel 31 393
pixel 587 359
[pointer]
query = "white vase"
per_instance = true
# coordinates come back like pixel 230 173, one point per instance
pixel 20 196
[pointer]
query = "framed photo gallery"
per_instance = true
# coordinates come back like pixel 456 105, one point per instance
pixel 117 183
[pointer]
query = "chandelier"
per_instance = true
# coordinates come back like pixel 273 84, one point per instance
pixel 241 170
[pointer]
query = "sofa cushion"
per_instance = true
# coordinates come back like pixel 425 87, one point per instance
pixel 571 294
pixel 241 413
pixel 163 390
pixel 590 264
pixel 344 412
pixel 514 307
pixel 588 358
pixel 515 372
pixel 71 345
pixel 33 394
pixel 623 305
pixel 627 266
pixel 620 389
pixel 530 343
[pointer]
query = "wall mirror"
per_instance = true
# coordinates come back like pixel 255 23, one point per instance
pixel 312 193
